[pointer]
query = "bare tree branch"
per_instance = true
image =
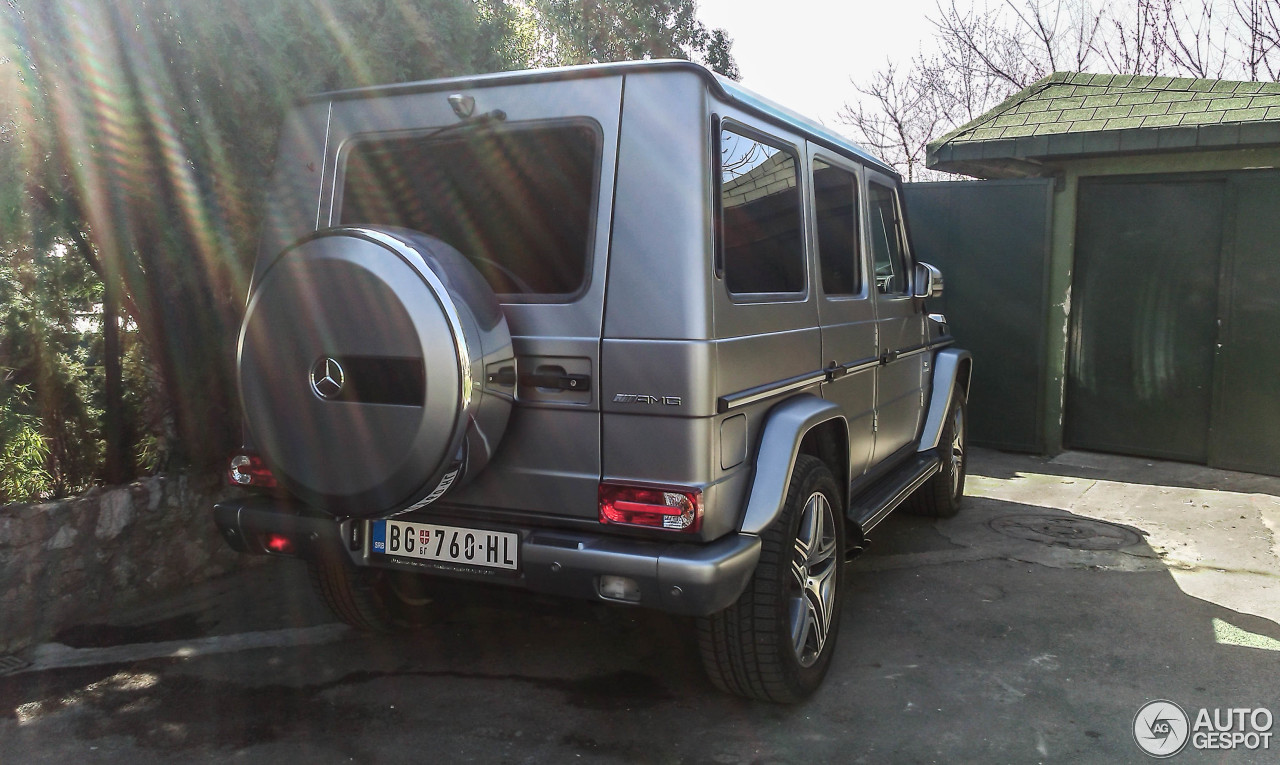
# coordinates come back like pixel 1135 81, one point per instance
pixel 986 53
pixel 1259 36
pixel 1189 39
pixel 899 120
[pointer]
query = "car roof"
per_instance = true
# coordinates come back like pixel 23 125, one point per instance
pixel 724 88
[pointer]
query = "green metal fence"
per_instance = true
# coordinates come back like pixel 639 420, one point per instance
pixel 991 240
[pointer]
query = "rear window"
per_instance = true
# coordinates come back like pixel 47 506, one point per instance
pixel 517 202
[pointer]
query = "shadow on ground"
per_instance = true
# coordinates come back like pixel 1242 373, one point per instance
pixel 961 642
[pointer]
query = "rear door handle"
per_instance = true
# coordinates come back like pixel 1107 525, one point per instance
pixel 507 376
pixel 556 381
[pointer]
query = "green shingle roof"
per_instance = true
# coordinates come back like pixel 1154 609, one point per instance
pixel 1069 115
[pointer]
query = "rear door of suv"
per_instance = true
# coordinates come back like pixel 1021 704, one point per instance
pixel 845 306
pixel 526 196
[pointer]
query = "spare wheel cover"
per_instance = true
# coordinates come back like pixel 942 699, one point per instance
pixel 353 366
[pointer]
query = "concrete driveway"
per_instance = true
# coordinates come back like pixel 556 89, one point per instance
pixel 1031 628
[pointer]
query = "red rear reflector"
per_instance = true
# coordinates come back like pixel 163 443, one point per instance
pixel 279 543
pixel 249 470
pixel 673 509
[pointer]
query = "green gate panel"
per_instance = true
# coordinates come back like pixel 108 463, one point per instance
pixel 1246 423
pixel 991 240
pixel 1143 325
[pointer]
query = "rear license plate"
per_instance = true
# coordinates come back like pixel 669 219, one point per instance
pixel 447 544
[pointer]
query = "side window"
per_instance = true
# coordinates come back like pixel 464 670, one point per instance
pixel 761 240
pixel 835 195
pixel 886 244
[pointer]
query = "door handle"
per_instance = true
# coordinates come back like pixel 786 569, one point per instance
pixel 507 376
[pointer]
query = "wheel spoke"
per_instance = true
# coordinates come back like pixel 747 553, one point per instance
pixel 957 450
pixel 816 512
pixel 818 631
pixel 826 549
pixel 822 591
pixel 811 521
pixel 801 625
pixel 801 555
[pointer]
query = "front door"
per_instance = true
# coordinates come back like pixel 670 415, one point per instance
pixel 900 319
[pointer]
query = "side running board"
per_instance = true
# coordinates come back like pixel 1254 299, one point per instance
pixel 871 507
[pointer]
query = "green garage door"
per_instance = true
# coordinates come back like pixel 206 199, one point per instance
pixel 1246 422
pixel 1175 336
pixel 1144 318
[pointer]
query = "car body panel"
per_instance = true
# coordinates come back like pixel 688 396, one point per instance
pixel 683 382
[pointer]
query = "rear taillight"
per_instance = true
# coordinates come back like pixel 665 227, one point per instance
pixel 671 509
pixel 278 544
pixel 248 469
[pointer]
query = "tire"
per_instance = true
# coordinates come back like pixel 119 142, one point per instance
pixel 371 599
pixel 748 649
pixel 942 495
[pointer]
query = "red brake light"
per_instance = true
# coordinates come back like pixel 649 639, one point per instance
pixel 249 470
pixel 672 509
pixel 279 543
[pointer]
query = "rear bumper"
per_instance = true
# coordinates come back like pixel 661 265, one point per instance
pixel 681 578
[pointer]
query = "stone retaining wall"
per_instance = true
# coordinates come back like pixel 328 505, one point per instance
pixel 70 562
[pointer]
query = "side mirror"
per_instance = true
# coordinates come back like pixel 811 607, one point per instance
pixel 928 281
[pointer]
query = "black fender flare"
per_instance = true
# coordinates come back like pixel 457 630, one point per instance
pixel 784 431
pixel 952 370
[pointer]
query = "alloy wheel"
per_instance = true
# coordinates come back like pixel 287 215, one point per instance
pixel 814 572
pixel 957 450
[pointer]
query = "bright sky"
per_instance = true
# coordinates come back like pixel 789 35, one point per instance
pixel 801 53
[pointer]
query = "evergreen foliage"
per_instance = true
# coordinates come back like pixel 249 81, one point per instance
pixel 136 137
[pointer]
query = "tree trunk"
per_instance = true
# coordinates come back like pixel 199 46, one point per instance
pixel 115 468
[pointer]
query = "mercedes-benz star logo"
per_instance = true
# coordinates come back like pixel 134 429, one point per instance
pixel 327 378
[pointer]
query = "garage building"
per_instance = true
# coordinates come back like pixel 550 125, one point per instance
pixel 1118 273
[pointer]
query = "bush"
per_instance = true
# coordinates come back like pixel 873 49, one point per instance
pixel 23 451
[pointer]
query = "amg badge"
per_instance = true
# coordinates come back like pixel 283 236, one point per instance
pixel 634 398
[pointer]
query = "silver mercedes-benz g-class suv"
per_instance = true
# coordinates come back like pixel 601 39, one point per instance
pixel 624 332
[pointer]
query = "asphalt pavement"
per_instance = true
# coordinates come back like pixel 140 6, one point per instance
pixel 1034 627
